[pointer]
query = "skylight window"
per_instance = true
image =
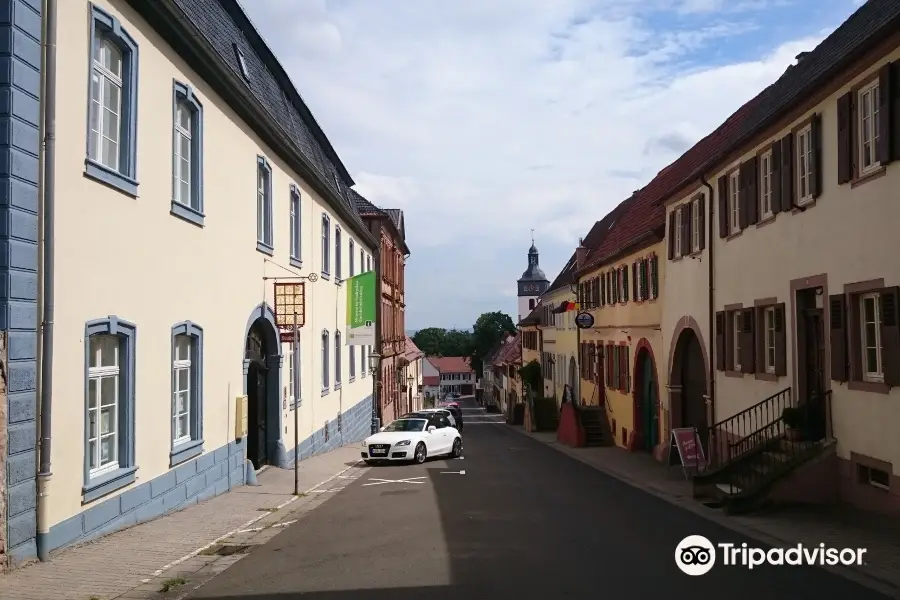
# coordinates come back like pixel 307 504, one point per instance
pixel 242 63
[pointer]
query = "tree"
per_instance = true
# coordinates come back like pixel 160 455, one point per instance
pixel 531 374
pixel 488 330
pixel 435 341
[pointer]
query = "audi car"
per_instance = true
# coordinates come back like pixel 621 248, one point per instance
pixel 413 439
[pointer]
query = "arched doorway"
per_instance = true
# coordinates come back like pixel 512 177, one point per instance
pixel 262 365
pixel 646 401
pixel 689 376
pixel 573 378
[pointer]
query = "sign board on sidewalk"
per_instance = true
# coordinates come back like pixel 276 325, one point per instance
pixel 686 444
pixel 584 320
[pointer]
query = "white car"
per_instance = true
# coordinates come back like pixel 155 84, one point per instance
pixel 413 439
pixel 439 411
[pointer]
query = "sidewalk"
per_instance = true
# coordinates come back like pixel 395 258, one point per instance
pixel 143 557
pixel 834 526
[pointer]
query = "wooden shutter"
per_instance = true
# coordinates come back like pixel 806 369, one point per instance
pixel 883 147
pixel 748 346
pixel 701 201
pixel 686 229
pixel 723 206
pixel 780 341
pixel 672 216
pixel 787 172
pixel 635 282
pixel 837 308
pixel 744 195
pixel 720 341
pixel 894 131
pixel 845 140
pixel 890 335
pixel 815 148
pixel 623 369
pixel 624 271
pixel 602 285
pixel 615 367
pixel 775 177
pixel 753 191
pixel 654 275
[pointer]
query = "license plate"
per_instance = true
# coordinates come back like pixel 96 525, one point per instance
pixel 378 451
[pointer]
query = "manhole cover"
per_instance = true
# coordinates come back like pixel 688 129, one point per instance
pixel 227 549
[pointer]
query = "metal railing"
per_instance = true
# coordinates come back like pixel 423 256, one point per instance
pixel 740 434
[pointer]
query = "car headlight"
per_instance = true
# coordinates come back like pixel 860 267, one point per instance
pixel 403 443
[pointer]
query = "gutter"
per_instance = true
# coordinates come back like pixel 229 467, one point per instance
pixel 711 390
pixel 48 193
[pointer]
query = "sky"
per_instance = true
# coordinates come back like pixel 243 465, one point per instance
pixel 485 119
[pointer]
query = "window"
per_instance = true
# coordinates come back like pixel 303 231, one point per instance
pixel 878 478
pixel 242 63
pixel 264 241
pixel 362 261
pixel 734 202
pixel 765 185
pixel 326 245
pixel 109 406
pixel 870 320
pixel 352 259
pixel 804 165
pixel 337 359
pixel 112 119
pixel 187 155
pixel 695 225
pixel 187 392
pixel 293 371
pixel 368 263
pixel 337 253
pixel 296 256
pixel 868 128
pixel 325 354
pixel 351 351
pixel 678 231
pixel 736 340
pixel 769 343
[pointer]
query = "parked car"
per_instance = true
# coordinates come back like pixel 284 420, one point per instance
pixel 414 438
pixel 455 415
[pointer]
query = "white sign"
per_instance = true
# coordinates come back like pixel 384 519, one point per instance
pixel 362 336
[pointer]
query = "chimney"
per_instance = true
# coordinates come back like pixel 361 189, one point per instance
pixel 580 254
pixel 801 56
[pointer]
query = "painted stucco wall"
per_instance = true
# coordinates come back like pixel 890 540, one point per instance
pixel 627 323
pixel 560 341
pixel 528 354
pixel 146 266
pixel 848 234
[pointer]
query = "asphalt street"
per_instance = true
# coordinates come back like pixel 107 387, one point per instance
pixel 524 521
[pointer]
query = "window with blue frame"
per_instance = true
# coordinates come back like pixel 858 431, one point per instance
pixel 109 457
pixel 187 392
pixel 112 113
pixel 337 253
pixel 264 234
pixel 326 351
pixel 326 245
pixel 351 351
pixel 295 226
pixel 362 262
pixel 187 155
pixel 337 359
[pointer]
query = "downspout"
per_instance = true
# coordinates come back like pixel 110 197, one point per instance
pixel 712 297
pixel 376 382
pixel 48 198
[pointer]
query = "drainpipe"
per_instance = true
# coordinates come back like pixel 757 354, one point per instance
pixel 712 297
pixel 48 193
pixel 376 376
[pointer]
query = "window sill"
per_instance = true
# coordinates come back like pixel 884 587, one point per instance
pixel 803 204
pixel 293 404
pixel 265 248
pixel 872 387
pixel 734 234
pixel 338 280
pixel 863 179
pixel 123 183
pixel 352 379
pixel 295 262
pixel 325 391
pixel 337 386
pixel 765 221
pixel 326 275
pixel 187 213
pixel 100 486
pixel 766 376
pixel 185 451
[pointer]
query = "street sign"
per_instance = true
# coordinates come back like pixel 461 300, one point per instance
pixel 290 306
pixel 584 320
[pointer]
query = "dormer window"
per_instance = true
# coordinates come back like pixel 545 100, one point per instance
pixel 242 63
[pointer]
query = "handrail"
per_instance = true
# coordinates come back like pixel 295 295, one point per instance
pixel 738 430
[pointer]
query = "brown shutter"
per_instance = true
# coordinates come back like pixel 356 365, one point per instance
pixel 608 361
pixel 748 348
pixel 672 216
pixel 602 290
pixel 624 284
pixel 753 191
pixel 838 326
pixel 654 275
pixel 702 220
pixel 623 369
pixel 883 147
pixel 744 196
pixel 635 282
pixel 787 172
pixel 720 341
pixel 844 141
pixel 686 229
pixel 626 356
pixel 723 206
pixel 890 335
pixel 775 177
pixel 895 111
pixel 815 148
pixel 780 341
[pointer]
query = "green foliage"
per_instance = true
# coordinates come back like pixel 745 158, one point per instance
pixel 531 374
pixel 435 341
pixel 488 330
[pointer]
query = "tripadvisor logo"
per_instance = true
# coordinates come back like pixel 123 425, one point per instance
pixel 696 555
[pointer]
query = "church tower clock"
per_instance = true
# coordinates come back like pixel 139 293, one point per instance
pixel 532 283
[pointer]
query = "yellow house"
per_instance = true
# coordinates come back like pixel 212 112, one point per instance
pixel 618 283
pixel 531 337
pixel 559 336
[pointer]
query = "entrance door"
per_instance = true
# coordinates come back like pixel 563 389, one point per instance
pixel 257 438
pixel 649 404
pixel 693 389
pixel 814 349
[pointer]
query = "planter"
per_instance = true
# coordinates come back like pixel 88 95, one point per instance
pixel 793 434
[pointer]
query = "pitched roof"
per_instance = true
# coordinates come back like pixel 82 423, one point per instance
pixel 512 351
pixel 533 318
pixel 496 349
pixel 431 380
pixel 394 216
pixel 411 351
pixel 593 239
pixel 451 364
pixel 206 33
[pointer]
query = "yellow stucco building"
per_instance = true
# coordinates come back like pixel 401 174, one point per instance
pixel 559 357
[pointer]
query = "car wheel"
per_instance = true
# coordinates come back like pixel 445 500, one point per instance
pixel 457 448
pixel 421 454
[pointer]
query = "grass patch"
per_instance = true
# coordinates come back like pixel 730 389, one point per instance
pixel 170 584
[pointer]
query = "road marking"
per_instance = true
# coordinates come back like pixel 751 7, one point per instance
pixel 285 524
pixel 325 491
pixel 251 530
pixel 382 481
pixel 453 472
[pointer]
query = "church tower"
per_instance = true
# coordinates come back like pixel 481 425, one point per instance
pixel 532 283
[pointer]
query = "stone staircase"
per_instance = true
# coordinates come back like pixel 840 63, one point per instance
pixel 596 428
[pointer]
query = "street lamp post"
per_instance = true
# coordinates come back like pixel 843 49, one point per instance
pixel 409 383
pixel 374 361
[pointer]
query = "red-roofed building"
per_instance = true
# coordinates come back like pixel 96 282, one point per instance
pixel 456 374
pixel 414 390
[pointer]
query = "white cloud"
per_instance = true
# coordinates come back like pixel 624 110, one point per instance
pixel 483 120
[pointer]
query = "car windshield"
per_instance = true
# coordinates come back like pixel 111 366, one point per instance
pixel 407 425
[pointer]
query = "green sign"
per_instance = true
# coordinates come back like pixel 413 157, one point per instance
pixel 361 298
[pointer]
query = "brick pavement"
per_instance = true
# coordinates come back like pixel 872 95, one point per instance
pixel 142 556
pixel 834 526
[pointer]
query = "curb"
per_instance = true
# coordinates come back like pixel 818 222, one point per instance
pixel 855 574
